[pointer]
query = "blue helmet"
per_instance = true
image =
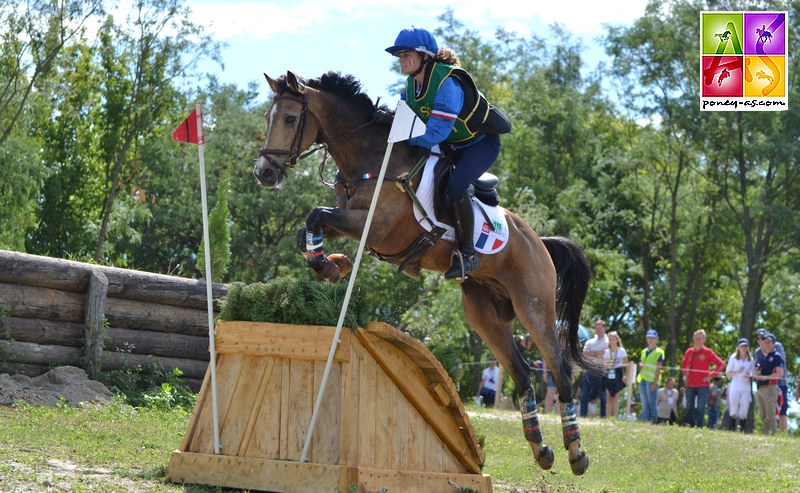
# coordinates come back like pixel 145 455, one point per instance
pixel 414 39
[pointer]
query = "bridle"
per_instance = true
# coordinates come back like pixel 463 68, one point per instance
pixel 294 151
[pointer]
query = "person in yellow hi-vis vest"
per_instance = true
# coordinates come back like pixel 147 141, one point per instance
pixel 650 365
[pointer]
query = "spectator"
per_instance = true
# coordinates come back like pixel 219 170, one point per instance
pixel 591 382
pixel 614 381
pixel 783 388
pixel 696 368
pixel 650 364
pixel 551 394
pixel 714 396
pixel 740 370
pixel 667 402
pixel 491 381
pixel 768 372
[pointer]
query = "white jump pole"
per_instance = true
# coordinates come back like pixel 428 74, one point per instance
pixel 343 312
pixel 206 242
pixel 405 125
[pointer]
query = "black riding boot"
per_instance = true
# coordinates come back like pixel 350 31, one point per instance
pixel 465 258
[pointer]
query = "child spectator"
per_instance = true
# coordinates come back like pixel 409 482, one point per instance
pixel 668 402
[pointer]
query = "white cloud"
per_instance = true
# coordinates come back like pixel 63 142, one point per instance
pixel 229 19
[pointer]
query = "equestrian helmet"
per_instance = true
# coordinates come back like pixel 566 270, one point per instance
pixel 414 39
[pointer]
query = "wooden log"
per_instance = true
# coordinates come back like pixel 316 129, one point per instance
pixel 158 344
pixel 48 332
pixel 37 354
pixel 28 370
pixel 50 304
pixel 190 368
pixel 45 332
pixel 128 314
pixel 67 275
pixel 95 333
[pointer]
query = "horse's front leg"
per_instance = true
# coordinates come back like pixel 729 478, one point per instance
pixel 328 222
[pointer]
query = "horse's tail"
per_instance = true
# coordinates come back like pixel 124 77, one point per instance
pixel 573 272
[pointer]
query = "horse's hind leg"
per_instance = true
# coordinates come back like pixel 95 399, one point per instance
pixel 535 308
pixel 492 317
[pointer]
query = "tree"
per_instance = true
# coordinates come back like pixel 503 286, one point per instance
pixel 34 34
pixel 142 62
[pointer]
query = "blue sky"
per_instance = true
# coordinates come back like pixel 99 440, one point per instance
pixel 313 36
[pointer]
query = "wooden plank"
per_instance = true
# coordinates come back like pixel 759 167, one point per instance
pixel 243 403
pixel 251 473
pixel 434 451
pixel 68 275
pixel 228 367
pixel 384 420
pixel 348 432
pixel 367 410
pixel 288 341
pixel 252 418
pixel 266 437
pixel 205 393
pixel 301 406
pixel 414 385
pixel 284 436
pixel 420 482
pixel 325 442
pixel 400 411
pixel 416 439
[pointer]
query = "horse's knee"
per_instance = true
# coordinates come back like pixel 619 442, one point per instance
pixel 316 219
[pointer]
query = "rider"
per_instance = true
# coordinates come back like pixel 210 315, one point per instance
pixel 444 96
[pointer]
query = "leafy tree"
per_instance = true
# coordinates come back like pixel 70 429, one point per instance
pixel 219 231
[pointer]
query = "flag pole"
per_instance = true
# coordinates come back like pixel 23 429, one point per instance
pixel 211 332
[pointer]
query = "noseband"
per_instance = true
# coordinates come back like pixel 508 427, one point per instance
pixel 294 152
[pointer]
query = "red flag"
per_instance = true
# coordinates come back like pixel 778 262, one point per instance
pixel 187 131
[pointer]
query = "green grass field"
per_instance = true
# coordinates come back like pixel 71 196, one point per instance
pixel 118 449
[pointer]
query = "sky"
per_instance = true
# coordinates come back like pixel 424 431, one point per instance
pixel 312 37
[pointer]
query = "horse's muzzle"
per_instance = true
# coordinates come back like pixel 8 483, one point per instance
pixel 267 174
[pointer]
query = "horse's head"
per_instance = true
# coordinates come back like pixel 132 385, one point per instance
pixel 289 132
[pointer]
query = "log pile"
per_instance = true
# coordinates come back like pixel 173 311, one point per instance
pixel 61 312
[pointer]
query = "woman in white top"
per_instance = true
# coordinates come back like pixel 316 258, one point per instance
pixel 616 359
pixel 740 370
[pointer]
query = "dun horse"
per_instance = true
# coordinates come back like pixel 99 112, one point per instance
pixel 540 281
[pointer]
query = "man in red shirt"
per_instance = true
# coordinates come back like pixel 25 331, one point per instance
pixel 696 368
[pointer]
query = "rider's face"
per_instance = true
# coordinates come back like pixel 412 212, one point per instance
pixel 409 61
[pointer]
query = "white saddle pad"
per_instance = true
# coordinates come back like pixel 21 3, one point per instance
pixel 486 240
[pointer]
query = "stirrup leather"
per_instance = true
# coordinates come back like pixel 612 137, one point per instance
pixel 461 266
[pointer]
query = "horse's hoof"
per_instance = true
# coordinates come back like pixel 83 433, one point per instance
pixel 579 464
pixel 328 272
pixel 544 456
pixel 342 262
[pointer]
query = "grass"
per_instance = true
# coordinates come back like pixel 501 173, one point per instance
pixel 119 449
pixel 633 457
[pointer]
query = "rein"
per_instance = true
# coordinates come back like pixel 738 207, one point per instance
pixel 294 152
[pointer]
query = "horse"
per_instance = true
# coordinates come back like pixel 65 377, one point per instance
pixel 542 282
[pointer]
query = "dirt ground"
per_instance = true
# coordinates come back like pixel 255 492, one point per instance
pixel 68 382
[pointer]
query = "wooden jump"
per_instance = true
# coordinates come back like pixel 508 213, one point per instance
pixel 391 418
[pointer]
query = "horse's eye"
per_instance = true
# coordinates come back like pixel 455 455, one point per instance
pixel 290 119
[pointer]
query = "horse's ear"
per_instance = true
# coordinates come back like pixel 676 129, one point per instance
pixel 273 84
pixel 294 83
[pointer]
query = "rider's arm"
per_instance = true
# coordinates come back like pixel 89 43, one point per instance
pixel 446 106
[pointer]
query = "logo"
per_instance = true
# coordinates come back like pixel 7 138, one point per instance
pixel 743 61
pixel 425 111
pixel 485 228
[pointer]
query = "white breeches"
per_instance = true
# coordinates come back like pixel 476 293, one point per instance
pixel 739 401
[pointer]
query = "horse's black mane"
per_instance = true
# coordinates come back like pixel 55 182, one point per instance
pixel 345 86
